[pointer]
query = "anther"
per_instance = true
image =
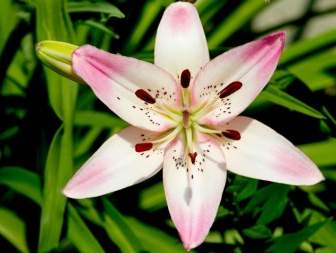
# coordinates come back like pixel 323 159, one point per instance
pixel 192 157
pixel 231 134
pixel 145 96
pixel 231 88
pixel 185 78
pixel 141 147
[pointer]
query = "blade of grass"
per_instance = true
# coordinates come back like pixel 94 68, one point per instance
pixel 80 235
pixel 302 47
pixel 235 21
pixel 13 229
pixel 118 229
pixel 53 23
pixel 100 7
pixel 22 181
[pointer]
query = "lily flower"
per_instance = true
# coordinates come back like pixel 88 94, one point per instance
pixel 183 111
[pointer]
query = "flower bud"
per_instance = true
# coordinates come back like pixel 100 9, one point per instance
pixel 58 56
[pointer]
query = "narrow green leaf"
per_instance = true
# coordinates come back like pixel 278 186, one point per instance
pixel 258 232
pixel 150 11
pixel 119 231
pixel 322 153
pixel 22 181
pixel 279 97
pixel 80 235
pixel 153 198
pixel 316 76
pixel 98 119
pixel 100 27
pixel 238 18
pixel 153 239
pixel 58 170
pixel 86 141
pixel 269 207
pixel 13 229
pixel 100 7
pixel 290 242
pixel 302 47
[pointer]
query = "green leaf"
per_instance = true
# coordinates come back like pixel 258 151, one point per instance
pixel 279 97
pixel 271 207
pixel 98 119
pixel 22 181
pixel 58 170
pixel 322 153
pixel 13 229
pixel 100 7
pixel 153 198
pixel 80 235
pixel 100 27
pixel 153 239
pixel 119 231
pixel 302 47
pixel 86 141
pixel 258 232
pixel 316 76
pixel 238 18
pixel 327 234
pixel 150 11
pixel 290 242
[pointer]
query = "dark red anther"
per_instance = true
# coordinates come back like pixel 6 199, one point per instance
pixel 145 96
pixel 141 147
pixel 231 88
pixel 192 157
pixel 185 78
pixel 231 134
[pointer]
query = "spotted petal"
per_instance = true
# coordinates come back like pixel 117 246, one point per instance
pixel 115 165
pixel 115 79
pixel 264 154
pixel 180 40
pixel 231 81
pixel 193 191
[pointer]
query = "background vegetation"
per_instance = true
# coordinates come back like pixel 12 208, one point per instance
pixel 50 125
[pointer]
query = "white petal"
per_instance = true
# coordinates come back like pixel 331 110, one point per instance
pixel 264 154
pixel 193 196
pixel 115 79
pixel 251 64
pixel 180 40
pixel 115 165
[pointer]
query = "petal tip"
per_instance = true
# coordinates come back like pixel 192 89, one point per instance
pixel 276 37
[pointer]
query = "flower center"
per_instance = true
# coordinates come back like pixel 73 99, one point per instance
pixel 186 120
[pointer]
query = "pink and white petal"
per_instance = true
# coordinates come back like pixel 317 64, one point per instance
pixel 115 79
pixel 193 192
pixel 115 165
pixel 251 64
pixel 264 154
pixel 180 41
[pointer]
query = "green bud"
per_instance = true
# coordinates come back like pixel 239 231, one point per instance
pixel 58 56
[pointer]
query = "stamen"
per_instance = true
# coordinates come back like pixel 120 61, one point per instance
pixel 231 134
pixel 192 157
pixel 145 96
pixel 185 78
pixel 231 88
pixel 141 147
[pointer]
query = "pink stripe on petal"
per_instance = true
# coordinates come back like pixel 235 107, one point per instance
pixel 180 41
pixel 116 79
pixel 264 154
pixel 194 192
pixel 115 165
